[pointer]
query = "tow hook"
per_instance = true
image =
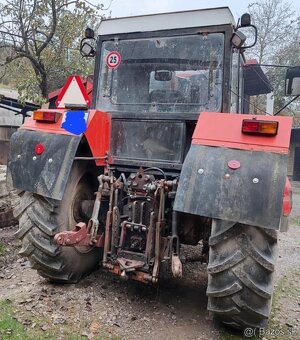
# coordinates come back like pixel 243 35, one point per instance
pixel 78 237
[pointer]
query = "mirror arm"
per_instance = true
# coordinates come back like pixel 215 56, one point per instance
pixel 286 105
pixel 255 39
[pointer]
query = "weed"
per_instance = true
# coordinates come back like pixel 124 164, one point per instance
pixel 295 220
pixel 12 328
pixel 285 287
pixel 2 249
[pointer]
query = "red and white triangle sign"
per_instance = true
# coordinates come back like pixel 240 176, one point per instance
pixel 73 93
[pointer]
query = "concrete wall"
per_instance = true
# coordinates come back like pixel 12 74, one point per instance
pixel 9 123
pixel 8 118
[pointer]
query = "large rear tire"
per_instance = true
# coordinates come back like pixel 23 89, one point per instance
pixel 241 275
pixel 40 218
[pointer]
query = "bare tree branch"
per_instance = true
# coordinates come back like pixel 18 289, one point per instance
pixel 52 29
pixel 66 5
pixel 42 40
pixel 4 73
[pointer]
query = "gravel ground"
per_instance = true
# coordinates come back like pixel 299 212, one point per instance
pixel 175 309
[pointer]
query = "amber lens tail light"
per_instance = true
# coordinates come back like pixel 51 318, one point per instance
pixel 260 127
pixel 46 116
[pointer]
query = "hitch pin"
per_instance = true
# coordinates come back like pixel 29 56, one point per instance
pixel 176 264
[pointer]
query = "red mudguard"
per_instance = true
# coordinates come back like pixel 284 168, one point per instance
pixel 46 173
pixel 232 176
pixel 97 132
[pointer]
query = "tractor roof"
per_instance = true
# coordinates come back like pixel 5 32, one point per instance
pixel 166 21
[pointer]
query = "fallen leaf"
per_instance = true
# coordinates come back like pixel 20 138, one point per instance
pixel 58 321
pixel 94 327
pixel 84 333
pixel 26 322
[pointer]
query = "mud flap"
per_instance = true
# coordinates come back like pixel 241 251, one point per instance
pixel 250 194
pixel 44 174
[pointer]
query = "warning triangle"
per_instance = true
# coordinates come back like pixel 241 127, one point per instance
pixel 73 93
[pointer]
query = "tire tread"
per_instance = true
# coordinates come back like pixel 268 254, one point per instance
pixel 241 275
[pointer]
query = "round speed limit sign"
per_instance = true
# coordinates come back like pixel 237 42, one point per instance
pixel 113 59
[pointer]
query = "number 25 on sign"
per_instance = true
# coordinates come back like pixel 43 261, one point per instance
pixel 113 59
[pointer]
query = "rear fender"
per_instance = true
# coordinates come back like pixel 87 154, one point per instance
pixel 44 174
pixel 97 131
pixel 234 177
pixel 47 174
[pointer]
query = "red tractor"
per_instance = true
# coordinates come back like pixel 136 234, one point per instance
pixel 167 166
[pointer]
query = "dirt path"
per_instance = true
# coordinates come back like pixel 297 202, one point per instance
pixel 174 309
pixel 102 306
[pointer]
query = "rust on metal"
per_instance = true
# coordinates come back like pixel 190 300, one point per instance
pixel 136 235
pixel 176 266
pixel 134 275
pixel 78 237
pixel 127 265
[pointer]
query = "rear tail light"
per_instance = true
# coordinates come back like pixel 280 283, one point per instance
pixel 260 127
pixel 46 116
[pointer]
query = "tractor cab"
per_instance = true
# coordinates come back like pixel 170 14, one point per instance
pixel 156 73
pixel 163 75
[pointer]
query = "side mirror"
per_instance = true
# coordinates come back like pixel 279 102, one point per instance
pixel 238 37
pixel 87 48
pixel 163 75
pixel 292 81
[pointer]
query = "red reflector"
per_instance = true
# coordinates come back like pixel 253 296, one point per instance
pixel 249 126
pixel 49 116
pixel 45 116
pixel 260 127
pixel 39 149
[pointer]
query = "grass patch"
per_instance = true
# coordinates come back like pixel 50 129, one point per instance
pixel 2 249
pixel 285 287
pixel 12 327
pixel 295 220
pixel 279 291
pixel 232 336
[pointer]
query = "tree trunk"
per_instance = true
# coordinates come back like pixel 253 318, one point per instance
pixel 43 84
pixel 41 76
